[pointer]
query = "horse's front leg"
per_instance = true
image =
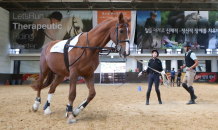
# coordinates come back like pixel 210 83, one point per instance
pixel 90 84
pixel 72 96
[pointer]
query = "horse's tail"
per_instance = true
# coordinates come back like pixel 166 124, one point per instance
pixel 49 79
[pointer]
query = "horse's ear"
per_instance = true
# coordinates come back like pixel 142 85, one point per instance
pixel 73 17
pixel 120 18
pixel 79 16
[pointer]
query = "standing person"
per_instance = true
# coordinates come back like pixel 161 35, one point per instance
pixel 178 78
pixel 156 64
pixel 172 77
pixel 191 62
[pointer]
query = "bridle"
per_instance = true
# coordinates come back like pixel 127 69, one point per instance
pixel 67 45
pixel 117 39
pixel 75 28
pixel 110 48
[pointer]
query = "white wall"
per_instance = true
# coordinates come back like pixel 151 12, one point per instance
pixel 131 64
pixel 214 64
pixel 5 63
pixel 174 64
pixel 29 67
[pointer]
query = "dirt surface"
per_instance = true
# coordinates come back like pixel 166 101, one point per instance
pixel 122 108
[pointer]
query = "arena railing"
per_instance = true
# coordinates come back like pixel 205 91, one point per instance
pixel 132 51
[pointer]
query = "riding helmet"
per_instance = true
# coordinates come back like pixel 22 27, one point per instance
pixel 56 15
pixel 187 44
pixel 154 13
pixel 156 51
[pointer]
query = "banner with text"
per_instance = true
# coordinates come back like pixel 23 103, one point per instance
pixel 35 29
pixel 170 29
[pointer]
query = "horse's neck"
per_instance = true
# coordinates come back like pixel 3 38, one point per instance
pixel 100 35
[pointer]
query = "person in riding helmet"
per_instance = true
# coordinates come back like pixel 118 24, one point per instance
pixel 156 64
pixel 151 22
pixel 38 35
pixel 191 62
pixel 54 18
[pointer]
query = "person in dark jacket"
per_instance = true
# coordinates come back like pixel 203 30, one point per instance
pixel 172 77
pixel 156 64
pixel 178 80
pixel 191 62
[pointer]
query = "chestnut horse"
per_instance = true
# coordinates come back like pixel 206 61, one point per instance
pixel 52 64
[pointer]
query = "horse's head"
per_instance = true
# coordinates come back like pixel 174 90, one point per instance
pixel 120 36
pixel 76 27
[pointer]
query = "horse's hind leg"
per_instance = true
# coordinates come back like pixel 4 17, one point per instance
pixel 56 82
pixel 90 84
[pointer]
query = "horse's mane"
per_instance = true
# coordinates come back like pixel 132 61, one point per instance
pixel 105 23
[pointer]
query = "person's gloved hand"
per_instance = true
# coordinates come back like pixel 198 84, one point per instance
pixel 140 74
pixel 162 73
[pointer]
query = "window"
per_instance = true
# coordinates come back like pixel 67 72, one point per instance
pixel 201 66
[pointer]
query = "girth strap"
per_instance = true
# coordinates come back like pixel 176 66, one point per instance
pixel 66 47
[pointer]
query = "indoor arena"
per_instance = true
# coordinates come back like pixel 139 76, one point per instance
pixel 109 64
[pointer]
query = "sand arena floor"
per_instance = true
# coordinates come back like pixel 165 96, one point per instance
pixel 122 108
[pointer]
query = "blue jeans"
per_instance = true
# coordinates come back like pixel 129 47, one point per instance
pixel 178 81
pixel 172 80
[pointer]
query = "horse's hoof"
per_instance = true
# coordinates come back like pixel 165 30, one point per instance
pixel 71 121
pixel 47 111
pixel 35 107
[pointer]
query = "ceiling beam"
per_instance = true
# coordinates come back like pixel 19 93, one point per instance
pixel 114 1
pixel 17 4
pixel 161 9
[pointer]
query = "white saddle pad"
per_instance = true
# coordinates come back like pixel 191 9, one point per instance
pixel 59 47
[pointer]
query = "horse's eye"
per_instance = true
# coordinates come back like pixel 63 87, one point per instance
pixel 77 28
pixel 121 31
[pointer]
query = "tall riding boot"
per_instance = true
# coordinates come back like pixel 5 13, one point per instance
pixel 192 101
pixel 147 98
pixel 158 96
pixel 186 88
